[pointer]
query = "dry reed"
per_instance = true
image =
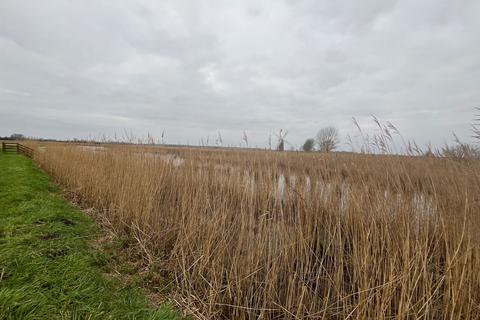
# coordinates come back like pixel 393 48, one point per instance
pixel 270 235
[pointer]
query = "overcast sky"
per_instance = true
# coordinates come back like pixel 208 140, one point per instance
pixel 195 68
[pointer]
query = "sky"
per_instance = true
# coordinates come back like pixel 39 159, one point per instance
pixel 195 70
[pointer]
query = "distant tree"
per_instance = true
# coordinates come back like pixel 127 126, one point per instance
pixel 309 145
pixel 327 139
pixel 17 136
pixel 163 137
pixel 245 138
pixel 281 145
pixel 281 140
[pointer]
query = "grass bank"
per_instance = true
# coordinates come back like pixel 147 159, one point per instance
pixel 47 268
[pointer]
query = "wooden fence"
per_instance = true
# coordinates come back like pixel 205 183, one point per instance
pixel 13 147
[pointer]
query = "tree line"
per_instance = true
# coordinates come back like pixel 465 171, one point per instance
pixel 326 140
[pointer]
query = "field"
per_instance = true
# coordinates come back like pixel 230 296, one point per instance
pixel 290 235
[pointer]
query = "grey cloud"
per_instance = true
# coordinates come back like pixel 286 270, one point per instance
pixel 194 69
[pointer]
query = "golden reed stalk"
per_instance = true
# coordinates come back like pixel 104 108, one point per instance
pixel 270 235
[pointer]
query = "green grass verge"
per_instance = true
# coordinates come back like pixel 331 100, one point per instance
pixel 47 268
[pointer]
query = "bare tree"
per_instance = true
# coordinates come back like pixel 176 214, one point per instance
pixel 163 137
pixel 17 136
pixel 309 145
pixel 245 138
pixel 281 140
pixel 328 139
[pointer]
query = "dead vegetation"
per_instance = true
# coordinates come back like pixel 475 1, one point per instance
pixel 272 235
